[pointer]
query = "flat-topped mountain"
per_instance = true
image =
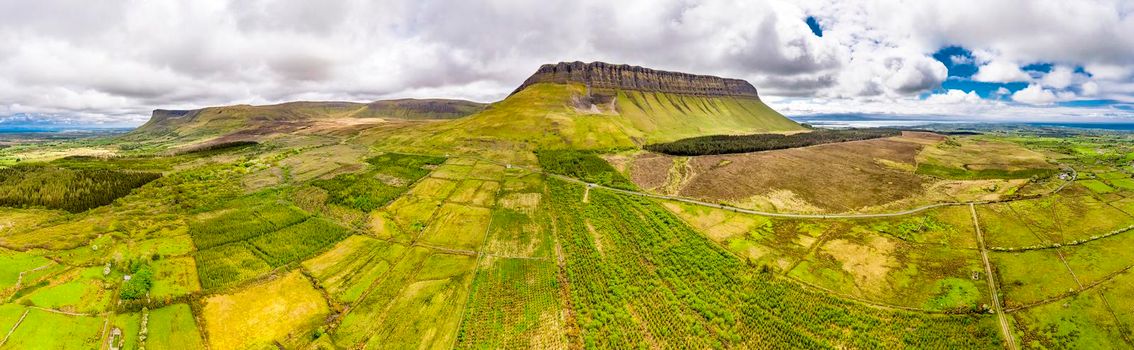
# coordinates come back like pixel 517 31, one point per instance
pixel 287 116
pixel 605 76
pixel 570 104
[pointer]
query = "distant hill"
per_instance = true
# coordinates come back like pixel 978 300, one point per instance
pixel 284 117
pixel 600 105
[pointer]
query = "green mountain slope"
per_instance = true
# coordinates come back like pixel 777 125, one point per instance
pixel 602 106
pixel 285 117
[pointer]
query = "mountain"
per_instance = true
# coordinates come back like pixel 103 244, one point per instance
pixel 284 117
pixel 600 105
pixel 600 76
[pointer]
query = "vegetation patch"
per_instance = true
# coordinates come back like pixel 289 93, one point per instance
pixel 1031 276
pixel 239 224
pixel 44 329
pixel 381 183
pixel 73 190
pixel 971 158
pixel 725 144
pixel 352 266
pixel 173 327
pixel 621 299
pixel 583 165
pixel 417 305
pixel 514 304
pixel 1080 322
pixel 283 311
pixel 228 264
pixel 459 227
pixel 1096 186
pixel 298 241
pixel 174 277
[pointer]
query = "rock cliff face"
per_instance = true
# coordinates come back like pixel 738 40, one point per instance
pixel 605 76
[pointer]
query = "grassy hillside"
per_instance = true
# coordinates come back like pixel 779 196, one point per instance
pixel 285 117
pixel 660 117
pixel 560 116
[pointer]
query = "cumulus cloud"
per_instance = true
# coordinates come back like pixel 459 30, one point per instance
pixel 115 60
pixel 1035 94
pixel 1001 72
pixel 953 96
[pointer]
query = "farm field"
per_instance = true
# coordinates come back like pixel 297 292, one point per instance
pixel 280 311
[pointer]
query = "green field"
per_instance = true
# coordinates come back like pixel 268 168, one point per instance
pixel 48 330
pixel 173 327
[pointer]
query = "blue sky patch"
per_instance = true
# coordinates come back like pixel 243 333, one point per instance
pixel 1038 67
pixel 814 25
pixel 985 90
pixel 958 60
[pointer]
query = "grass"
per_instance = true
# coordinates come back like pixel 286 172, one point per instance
pixel 1124 184
pixel 80 290
pixel 283 310
pixel 163 246
pixel 516 233
pixel 358 325
pixel 480 193
pixel 417 305
pixel 1067 218
pixel 382 225
pixel 1031 276
pixel 9 315
pixel 129 324
pixel 1002 227
pixel 1081 322
pixel 174 277
pixel 660 117
pixel 47 330
pixel 385 179
pixel 968 158
pixel 12 263
pixel 353 265
pixel 854 260
pixel 434 187
pixel 173 327
pixel 1096 186
pixel 1095 260
pixel 426 312
pixel 411 213
pixel 458 226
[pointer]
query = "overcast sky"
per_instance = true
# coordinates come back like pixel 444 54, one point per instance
pixel 112 61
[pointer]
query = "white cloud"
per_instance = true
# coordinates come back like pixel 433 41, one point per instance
pixel 1001 72
pixel 1034 94
pixel 959 59
pixel 1061 77
pixel 953 96
pixel 118 59
pixel 1089 88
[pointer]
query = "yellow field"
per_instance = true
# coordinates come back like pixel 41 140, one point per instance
pixel 458 227
pixel 282 310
